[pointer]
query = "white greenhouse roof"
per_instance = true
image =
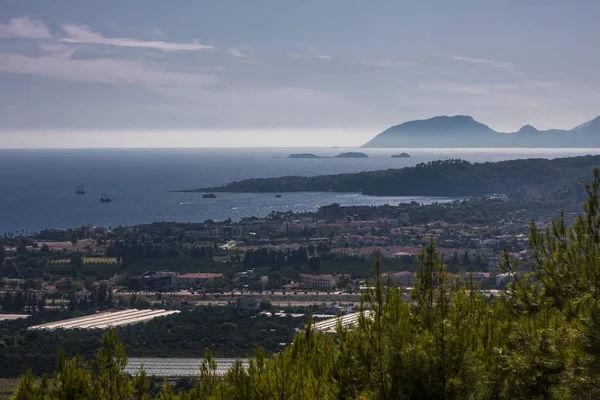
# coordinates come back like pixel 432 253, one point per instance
pixel 5 317
pixel 176 367
pixel 108 319
pixel 348 320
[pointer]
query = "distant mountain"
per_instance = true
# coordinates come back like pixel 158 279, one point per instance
pixel 464 131
pixel 528 129
pixel 590 126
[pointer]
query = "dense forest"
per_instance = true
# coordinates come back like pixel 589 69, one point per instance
pixel 541 340
pixel 436 178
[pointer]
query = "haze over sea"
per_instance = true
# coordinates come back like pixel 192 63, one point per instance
pixel 37 187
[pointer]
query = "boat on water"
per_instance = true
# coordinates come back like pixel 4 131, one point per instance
pixel 80 190
pixel 277 196
pixel 208 196
pixel 105 197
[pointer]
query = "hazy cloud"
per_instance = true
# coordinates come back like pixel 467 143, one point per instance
pixel 105 70
pixel 397 64
pixel 26 28
pixel 481 61
pixel 236 52
pixel 56 49
pixel 154 32
pixel 311 54
pixel 319 57
pixel 82 34
pixel 475 89
pixel 388 64
pixel 544 84
pixel 453 87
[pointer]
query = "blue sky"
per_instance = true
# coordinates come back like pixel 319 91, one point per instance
pixel 281 73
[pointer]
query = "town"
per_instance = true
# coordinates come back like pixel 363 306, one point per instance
pixel 173 290
pixel 322 257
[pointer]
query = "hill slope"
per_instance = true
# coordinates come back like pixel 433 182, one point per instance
pixel 437 178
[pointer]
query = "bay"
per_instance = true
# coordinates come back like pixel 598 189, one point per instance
pixel 37 187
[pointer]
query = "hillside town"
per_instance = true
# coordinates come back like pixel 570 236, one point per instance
pixel 324 257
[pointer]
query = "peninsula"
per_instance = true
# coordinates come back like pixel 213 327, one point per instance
pixel 452 178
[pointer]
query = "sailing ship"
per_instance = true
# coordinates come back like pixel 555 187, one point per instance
pixel 105 197
pixel 80 190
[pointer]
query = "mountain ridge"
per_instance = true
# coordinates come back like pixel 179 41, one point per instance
pixel 465 131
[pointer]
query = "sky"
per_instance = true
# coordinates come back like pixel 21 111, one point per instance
pixel 149 73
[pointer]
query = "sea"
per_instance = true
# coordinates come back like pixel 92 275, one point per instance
pixel 37 187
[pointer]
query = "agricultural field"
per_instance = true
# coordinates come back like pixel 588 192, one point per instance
pixel 89 260
pixel 7 388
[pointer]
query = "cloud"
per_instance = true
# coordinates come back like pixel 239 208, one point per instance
pixel 236 52
pixel 397 64
pixel 318 57
pixel 154 32
pixel 59 65
pixel 82 34
pixel 389 64
pixel 25 28
pixel 481 61
pixel 311 54
pixel 254 107
pixel 544 84
pixel 453 87
pixel 474 89
pixel 56 49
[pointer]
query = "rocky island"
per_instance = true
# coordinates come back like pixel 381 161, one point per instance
pixel 304 155
pixel 352 155
pixel 401 155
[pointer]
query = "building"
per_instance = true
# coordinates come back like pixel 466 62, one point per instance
pixel 475 276
pixel 196 279
pixel 291 286
pixel 504 279
pixel 323 282
pixel 161 280
pixel 402 278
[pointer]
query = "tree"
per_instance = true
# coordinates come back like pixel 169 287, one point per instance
pixel 314 263
pixel 21 248
pixel 30 273
pixel 76 261
pixel 265 305
pixel 112 383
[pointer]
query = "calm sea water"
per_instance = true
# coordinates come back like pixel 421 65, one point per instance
pixel 37 186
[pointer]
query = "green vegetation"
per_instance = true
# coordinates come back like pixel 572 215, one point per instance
pixel 539 341
pixel 227 332
pixel 436 178
pixel 7 388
